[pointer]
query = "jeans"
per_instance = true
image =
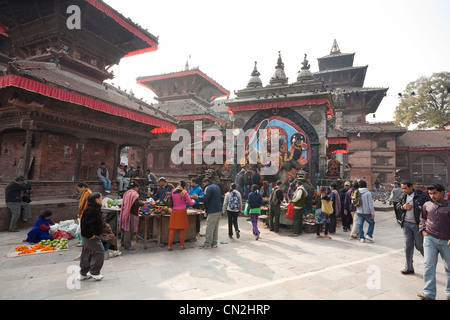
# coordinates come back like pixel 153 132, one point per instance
pixel 123 183
pixel 297 222
pixel 232 222
pixel 212 229
pixel 254 217
pixel 106 183
pixel 16 208
pixel 413 238
pixel 432 248
pixel 274 217
pixel 370 221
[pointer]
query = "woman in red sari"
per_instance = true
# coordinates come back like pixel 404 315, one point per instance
pixel 178 216
pixel 129 215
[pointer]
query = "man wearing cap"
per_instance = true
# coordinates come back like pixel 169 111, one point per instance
pixel 163 190
pixel 13 199
pixel 346 217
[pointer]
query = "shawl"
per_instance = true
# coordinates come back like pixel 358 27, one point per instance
pixel 337 202
pixel 129 198
pixel 83 202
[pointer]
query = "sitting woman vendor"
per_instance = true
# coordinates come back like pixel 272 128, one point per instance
pixel 41 229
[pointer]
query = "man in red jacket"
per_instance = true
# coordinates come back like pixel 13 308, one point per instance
pixel 435 227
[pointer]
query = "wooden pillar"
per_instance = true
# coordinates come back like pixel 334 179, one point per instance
pixel 80 149
pixel 27 154
pixel 113 172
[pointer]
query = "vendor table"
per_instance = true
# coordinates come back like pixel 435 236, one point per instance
pixel 283 220
pixel 111 216
pixel 156 228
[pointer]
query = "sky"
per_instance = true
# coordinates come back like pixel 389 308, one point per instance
pixel 399 40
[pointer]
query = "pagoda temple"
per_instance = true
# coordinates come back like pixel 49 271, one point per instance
pixel 356 148
pixel 189 96
pixel 58 119
pixel 300 111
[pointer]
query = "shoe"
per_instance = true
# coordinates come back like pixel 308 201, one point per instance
pixel 362 240
pixel 182 248
pixel 238 234
pixel 169 249
pixel 327 236
pixel 97 277
pixel 293 235
pixel 406 271
pixel 257 236
pixel 352 237
pixel 107 191
pixel 204 246
pixel 214 246
pixel 115 253
pixel 319 236
pixel 423 296
pixel 131 249
pixel 231 237
pixel 80 277
pixel 369 238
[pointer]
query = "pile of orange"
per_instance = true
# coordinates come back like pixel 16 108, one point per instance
pixel 22 248
pixel 26 251
pixel 48 249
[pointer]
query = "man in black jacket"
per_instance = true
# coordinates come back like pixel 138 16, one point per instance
pixel 276 197
pixel 13 199
pixel 411 206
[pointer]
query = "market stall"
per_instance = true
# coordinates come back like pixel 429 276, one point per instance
pixel 155 226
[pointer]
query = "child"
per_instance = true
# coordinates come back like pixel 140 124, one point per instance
pixel 41 229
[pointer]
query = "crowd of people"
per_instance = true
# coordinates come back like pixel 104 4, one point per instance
pixel 424 216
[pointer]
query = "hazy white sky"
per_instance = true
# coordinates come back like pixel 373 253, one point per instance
pixel 400 40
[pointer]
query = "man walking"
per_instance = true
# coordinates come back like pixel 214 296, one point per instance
pixel 350 209
pixel 366 212
pixel 395 198
pixel 13 200
pixel 276 197
pixel 410 206
pixel 435 227
pixel 213 203
pixel 345 217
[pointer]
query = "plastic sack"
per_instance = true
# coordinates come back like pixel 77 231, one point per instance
pixel 61 234
pixel 289 212
pixel 54 228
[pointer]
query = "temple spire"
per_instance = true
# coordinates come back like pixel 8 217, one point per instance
pixel 304 73
pixel 279 76
pixel 335 49
pixel 255 81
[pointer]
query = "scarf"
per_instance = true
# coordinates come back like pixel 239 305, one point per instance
pixel 182 193
pixel 337 202
pixel 129 198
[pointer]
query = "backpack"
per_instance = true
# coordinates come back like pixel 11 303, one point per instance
pixel 234 205
pixel 168 200
pixel 356 198
pixel 273 198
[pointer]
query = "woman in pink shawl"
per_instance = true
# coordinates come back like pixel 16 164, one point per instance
pixel 129 215
pixel 178 216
